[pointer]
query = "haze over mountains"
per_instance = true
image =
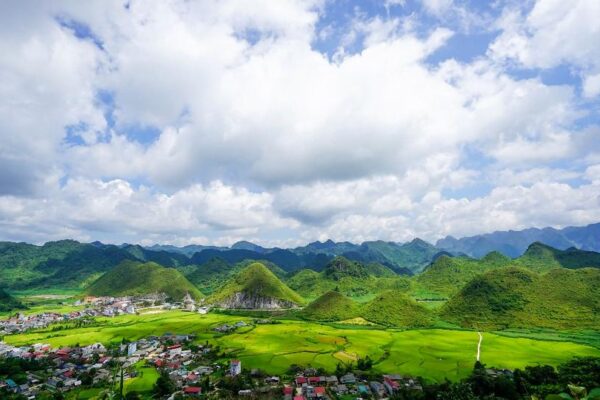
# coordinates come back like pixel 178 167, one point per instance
pixel 414 284
pixel 73 264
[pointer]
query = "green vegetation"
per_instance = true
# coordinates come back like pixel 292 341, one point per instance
pixel 9 303
pixel 331 306
pixel 409 257
pixel 215 273
pixel 254 285
pixel 350 278
pixel 392 308
pixel 136 278
pixel 540 257
pixel 447 275
pixel 517 298
pixel 433 353
pixel 65 264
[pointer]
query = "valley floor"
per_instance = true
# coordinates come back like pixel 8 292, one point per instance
pixel 435 354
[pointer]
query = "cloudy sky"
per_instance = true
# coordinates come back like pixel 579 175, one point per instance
pixel 284 122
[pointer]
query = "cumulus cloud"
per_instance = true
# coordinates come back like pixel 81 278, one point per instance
pixel 258 134
pixel 553 33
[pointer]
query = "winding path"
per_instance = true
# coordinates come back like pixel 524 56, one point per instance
pixel 479 345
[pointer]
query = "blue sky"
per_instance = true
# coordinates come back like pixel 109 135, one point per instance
pixel 286 122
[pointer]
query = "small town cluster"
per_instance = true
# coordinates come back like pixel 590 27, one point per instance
pixel 97 307
pixel 192 370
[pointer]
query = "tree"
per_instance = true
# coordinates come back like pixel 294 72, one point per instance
pixel 581 371
pixel 164 385
pixel 132 396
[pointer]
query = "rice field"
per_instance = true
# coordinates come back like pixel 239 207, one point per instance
pixel 436 354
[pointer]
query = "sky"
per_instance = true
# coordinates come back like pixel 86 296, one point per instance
pixel 287 121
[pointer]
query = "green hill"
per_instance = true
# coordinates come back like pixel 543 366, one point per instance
pixel 331 306
pixel 540 257
pixel 340 267
pixel 9 303
pixel 350 278
pixel 214 273
pixel 61 264
pixel 255 287
pixel 136 278
pixel 520 298
pixel 447 275
pixel 392 308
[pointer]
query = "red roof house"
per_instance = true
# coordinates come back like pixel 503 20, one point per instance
pixel 192 390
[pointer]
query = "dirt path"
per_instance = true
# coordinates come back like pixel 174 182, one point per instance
pixel 479 345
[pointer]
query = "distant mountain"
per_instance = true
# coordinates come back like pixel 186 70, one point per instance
pixel 328 247
pixel 136 278
pixel 519 298
pixel 408 258
pixel 214 273
pixel 514 243
pixel 447 275
pixel 9 303
pixel 331 306
pixel 65 263
pixel 351 278
pixel 188 250
pixel 541 257
pixel 245 245
pixel 162 257
pixel 285 259
pixel 255 287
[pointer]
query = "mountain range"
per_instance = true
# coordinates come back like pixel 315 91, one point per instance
pixel 514 243
pixel 70 264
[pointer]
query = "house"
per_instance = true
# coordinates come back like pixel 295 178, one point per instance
pixel 235 367
pixel 340 389
pixel 348 379
pixel 363 389
pixel 192 391
pixel 320 391
pixel 331 380
pixel 203 310
pixel 174 350
pixel 288 391
pixel 377 388
pixel 314 380
pixel 309 391
pixel 300 380
pixel 392 386
pixel 131 348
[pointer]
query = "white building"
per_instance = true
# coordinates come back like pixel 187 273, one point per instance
pixel 235 367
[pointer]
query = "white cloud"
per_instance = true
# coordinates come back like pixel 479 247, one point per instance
pixel 554 32
pixel 591 85
pixel 260 136
pixel 437 7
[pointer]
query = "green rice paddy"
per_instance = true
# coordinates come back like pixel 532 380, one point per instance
pixel 433 353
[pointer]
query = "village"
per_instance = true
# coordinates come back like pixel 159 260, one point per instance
pixel 91 307
pixel 193 370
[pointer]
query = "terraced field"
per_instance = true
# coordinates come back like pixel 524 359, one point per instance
pixel 432 353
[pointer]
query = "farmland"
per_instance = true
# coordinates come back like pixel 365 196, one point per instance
pixel 433 353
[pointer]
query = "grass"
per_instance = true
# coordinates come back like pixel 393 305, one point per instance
pixel 143 383
pixel 433 353
pixel 39 303
pixel 519 298
pixel 132 278
pixel 257 281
